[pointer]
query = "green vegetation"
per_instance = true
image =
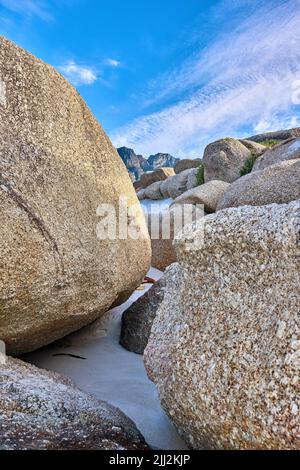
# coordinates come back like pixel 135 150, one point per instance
pixel 200 175
pixel 270 142
pixel 248 165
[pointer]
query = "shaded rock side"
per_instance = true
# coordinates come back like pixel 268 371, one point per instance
pixel 224 346
pixel 57 166
pixel 138 318
pixel 42 410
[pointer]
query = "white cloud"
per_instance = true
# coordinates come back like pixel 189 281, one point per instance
pixel 112 62
pixel 37 8
pixel 78 74
pixel 242 80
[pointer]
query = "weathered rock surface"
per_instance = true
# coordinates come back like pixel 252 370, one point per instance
pixel 156 175
pixel 254 147
pixel 138 318
pixel 278 183
pixel 41 410
pixel 276 135
pixel 153 191
pixel 57 166
pixel 174 186
pixel 207 194
pixel 225 344
pixel 224 160
pixel 186 164
pixel 289 150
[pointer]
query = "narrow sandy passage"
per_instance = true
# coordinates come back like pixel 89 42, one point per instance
pixel 112 374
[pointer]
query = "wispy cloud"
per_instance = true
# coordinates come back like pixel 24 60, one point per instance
pixel 78 74
pixel 37 8
pixel 243 80
pixel 112 62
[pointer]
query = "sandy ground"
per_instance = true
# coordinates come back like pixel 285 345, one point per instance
pixel 112 373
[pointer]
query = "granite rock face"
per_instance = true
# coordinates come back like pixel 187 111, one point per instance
pixel 186 164
pixel 138 318
pixel 224 160
pixel 224 348
pixel 207 194
pixel 289 150
pixel 57 166
pixel 42 410
pixel 276 135
pixel 278 183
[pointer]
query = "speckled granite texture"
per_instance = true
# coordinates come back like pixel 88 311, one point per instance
pixel 224 349
pixel 41 410
pixel 56 167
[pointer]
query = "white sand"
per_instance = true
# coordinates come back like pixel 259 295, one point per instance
pixel 113 374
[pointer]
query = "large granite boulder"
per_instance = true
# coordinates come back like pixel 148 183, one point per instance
pixel 225 344
pixel 289 150
pixel 224 160
pixel 156 175
pixel 278 183
pixel 42 410
pixel 138 318
pixel 57 167
pixel 207 194
pixel 186 164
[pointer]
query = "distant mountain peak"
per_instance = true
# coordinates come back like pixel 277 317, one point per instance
pixel 138 164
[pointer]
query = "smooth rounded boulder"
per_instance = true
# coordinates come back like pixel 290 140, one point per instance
pixel 57 168
pixel 275 184
pixel 224 160
pixel 43 410
pixel 224 347
pixel 207 194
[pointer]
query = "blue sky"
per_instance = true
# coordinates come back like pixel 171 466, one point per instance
pixel 170 76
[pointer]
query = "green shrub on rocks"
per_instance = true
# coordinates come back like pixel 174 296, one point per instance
pixel 270 142
pixel 248 165
pixel 200 175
